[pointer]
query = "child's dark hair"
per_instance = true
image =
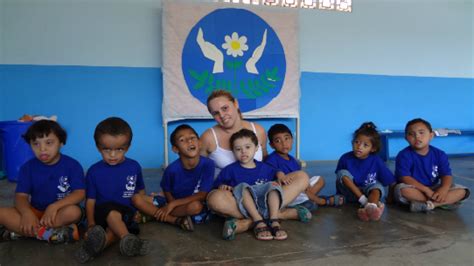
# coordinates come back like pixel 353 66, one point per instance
pixel 418 120
pixel 370 130
pixel 179 128
pixel 277 129
pixel 113 126
pixel 43 128
pixel 243 133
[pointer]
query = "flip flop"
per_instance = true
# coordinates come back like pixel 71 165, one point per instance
pixel 230 226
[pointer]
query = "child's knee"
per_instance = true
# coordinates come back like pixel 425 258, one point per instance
pixel 114 215
pixel 194 207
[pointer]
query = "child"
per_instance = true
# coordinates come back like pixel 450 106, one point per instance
pixel 185 183
pixel 362 175
pixel 281 140
pixel 111 183
pixel 424 172
pixel 49 189
pixel 250 181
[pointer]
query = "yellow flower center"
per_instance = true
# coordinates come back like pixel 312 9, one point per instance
pixel 235 45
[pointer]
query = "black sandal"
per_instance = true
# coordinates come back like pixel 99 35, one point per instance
pixel 277 232
pixel 259 230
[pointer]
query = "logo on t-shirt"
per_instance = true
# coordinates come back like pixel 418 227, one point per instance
pixel 371 179
pixel 64 184
pixel 434 173
pixel 198 186
pixel 130 186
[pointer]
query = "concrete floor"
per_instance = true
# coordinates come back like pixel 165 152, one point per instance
pixel 333 237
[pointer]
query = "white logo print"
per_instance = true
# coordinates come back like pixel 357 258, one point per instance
pixel 64 184
pixel 131 182
pixel 434 173
pixel 371 179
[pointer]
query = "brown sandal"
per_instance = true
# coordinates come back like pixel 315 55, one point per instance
pixel 185 222
pixel 277 232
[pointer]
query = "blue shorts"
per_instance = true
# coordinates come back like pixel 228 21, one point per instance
pixel 202 217
pixel 351 197
pixel 259 194
pixel 399 198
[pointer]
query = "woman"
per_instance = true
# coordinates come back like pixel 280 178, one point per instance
pixel 215 144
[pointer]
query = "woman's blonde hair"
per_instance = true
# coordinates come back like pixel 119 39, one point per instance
pixel 222 93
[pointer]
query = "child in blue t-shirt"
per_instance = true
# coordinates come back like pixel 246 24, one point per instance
pixel 253 185
pixel 362 175
pixel 185 183
pixel 424 174
pixel 111 184
pixel 281 140
pixel 49 189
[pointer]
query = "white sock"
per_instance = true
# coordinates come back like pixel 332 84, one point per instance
pixel 430 205
pixel 363 200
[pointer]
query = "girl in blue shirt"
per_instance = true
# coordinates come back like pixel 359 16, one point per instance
pixel 362 175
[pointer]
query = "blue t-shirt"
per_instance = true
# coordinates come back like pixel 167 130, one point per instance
pixel 280 163
pixel 47 184
pixel 425 169
pixel 181 182
pixel 366 171
pixel 114 183
pixel 234 174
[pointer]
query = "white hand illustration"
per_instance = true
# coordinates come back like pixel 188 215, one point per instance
pixel 257 53
pixel 211 52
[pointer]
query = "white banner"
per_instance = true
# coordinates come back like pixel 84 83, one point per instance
pixel 250 51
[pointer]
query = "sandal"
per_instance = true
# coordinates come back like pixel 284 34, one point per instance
pixel 230 226
pixel 338 200
pixel 262 233
pixel 185 223
pixel 277 232
pixel 304 215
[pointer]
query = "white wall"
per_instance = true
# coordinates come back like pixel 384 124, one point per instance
pixel 390 37
pixel 394 37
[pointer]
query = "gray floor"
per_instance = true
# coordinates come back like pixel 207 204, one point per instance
pixel 333 237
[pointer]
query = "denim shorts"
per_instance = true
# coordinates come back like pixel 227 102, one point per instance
pixel 259 194
pixel 399 198
pixel 351 197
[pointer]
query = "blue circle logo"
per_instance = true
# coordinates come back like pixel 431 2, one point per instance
pixel 235 50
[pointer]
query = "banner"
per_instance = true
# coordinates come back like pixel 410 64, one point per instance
pixel 250 51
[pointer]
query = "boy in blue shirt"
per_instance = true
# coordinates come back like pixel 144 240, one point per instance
pixel 424 173
pixel 111 184
pixel 185 183
pixel 362 175
pixel 49 189
pixel 281 140
pixel 255 190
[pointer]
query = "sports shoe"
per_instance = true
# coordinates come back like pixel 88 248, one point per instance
pixel 131 246
pixel 92 245
pixel 418 206
pixel 64 234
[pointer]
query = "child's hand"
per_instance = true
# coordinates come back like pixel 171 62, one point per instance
pixel 29 224
pixel 440 194
pixel 49 216
pixel 162 213
pixel 225 187
pixel 286 180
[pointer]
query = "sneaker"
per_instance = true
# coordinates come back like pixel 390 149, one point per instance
pixel 131 246
pixel 64 234
pixel 92 245
pixel 418 206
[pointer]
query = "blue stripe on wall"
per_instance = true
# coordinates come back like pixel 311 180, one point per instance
pixel 82 97
pixel 332 107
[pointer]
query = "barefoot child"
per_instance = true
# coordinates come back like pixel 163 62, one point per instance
pixel 362 175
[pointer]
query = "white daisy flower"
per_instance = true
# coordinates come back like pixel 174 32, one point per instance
pixel 235 45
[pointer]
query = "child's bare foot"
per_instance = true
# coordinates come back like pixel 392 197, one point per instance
pixel 362 214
